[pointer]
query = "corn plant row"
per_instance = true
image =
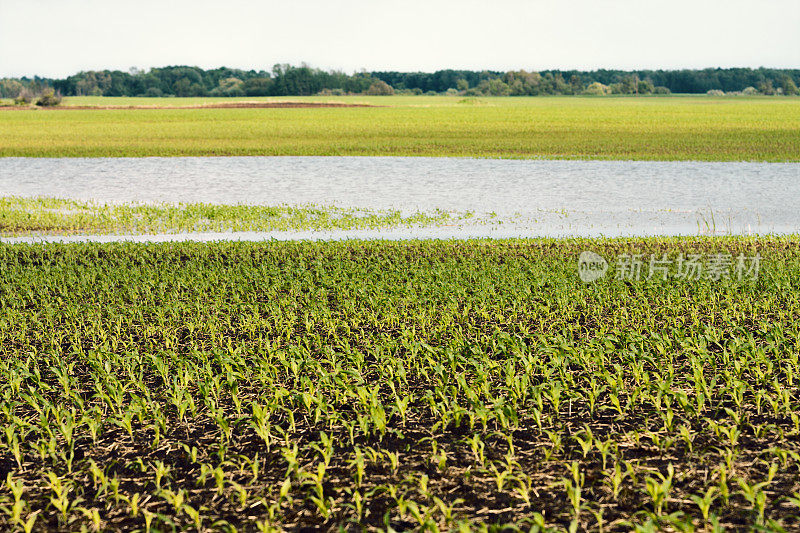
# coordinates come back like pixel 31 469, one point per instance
pixel 436 386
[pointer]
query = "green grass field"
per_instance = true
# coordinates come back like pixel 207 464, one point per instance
pixel 414 386
pixel 655 128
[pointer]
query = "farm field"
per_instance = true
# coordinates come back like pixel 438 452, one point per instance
pixel 639 128
pixel 26 216
pixel 430 385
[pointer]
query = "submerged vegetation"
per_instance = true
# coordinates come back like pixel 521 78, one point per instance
pixel 703 128
pixel 25 216
pixel 412 385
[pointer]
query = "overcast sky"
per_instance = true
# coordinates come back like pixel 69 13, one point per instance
pixel 61 37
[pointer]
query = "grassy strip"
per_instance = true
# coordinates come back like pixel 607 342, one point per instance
pixel 430 385
pixel 666 128
pixel 24 216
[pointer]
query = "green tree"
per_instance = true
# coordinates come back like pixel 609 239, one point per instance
pixel 576 83
pixel 380 88
pixel 24 97
pixel 181 87
pixel 645 87
pixel 597 89
pixel 10 88
pixel 49 98
pixel 629 84
pixel 257 87
pixel 495 87
pixel 229 87
pixel 522 82
pixel 789 87
pixel 766 87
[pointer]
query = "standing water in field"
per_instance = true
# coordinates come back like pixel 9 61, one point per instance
pixel 509 198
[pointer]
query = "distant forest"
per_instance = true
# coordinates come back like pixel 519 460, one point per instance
pixel 287 80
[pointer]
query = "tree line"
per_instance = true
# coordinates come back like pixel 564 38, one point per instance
pixel 288 80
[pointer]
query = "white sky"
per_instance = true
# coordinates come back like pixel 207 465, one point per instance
pixel 60 37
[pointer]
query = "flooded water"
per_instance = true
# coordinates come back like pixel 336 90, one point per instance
pixel 510 198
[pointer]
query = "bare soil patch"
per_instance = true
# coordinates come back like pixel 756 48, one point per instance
pixel 220 105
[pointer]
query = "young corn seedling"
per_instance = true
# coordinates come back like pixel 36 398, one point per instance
pixel 587 443
pixel 423 487
pixel 599 516
pixel 756 496
pixel 705 502
pixel 133 504
pixel 401 408
pixel 175 499
pixel 113 484
pixel 27 525
pixel 446 510
pixel 574 487
pixel 593 393
pixel 325 450
pixel 255 466
pixel 94 425
pixel 12 442
pixel 658 489
pixel 241 492
pixel 722 483
pixel 98 477
pixel 318 497
pixel 668 416
pixel 439 459
pixel 555 439
pixel 358 505
pixel 148 519
pixel 262 425
pixel 554 395
pixel 17 488
pixel 477 446
pixel 604 447
pixel 359 464
pixel 501 477
pixel 195 515
pixel 60 498
pixel 524 488
pixel 679 521
pixel 616 478
pixel 219 479
pixel 290 456
pixel 394 460
pixel 94 516
pixel 190 452
pixel 688 437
